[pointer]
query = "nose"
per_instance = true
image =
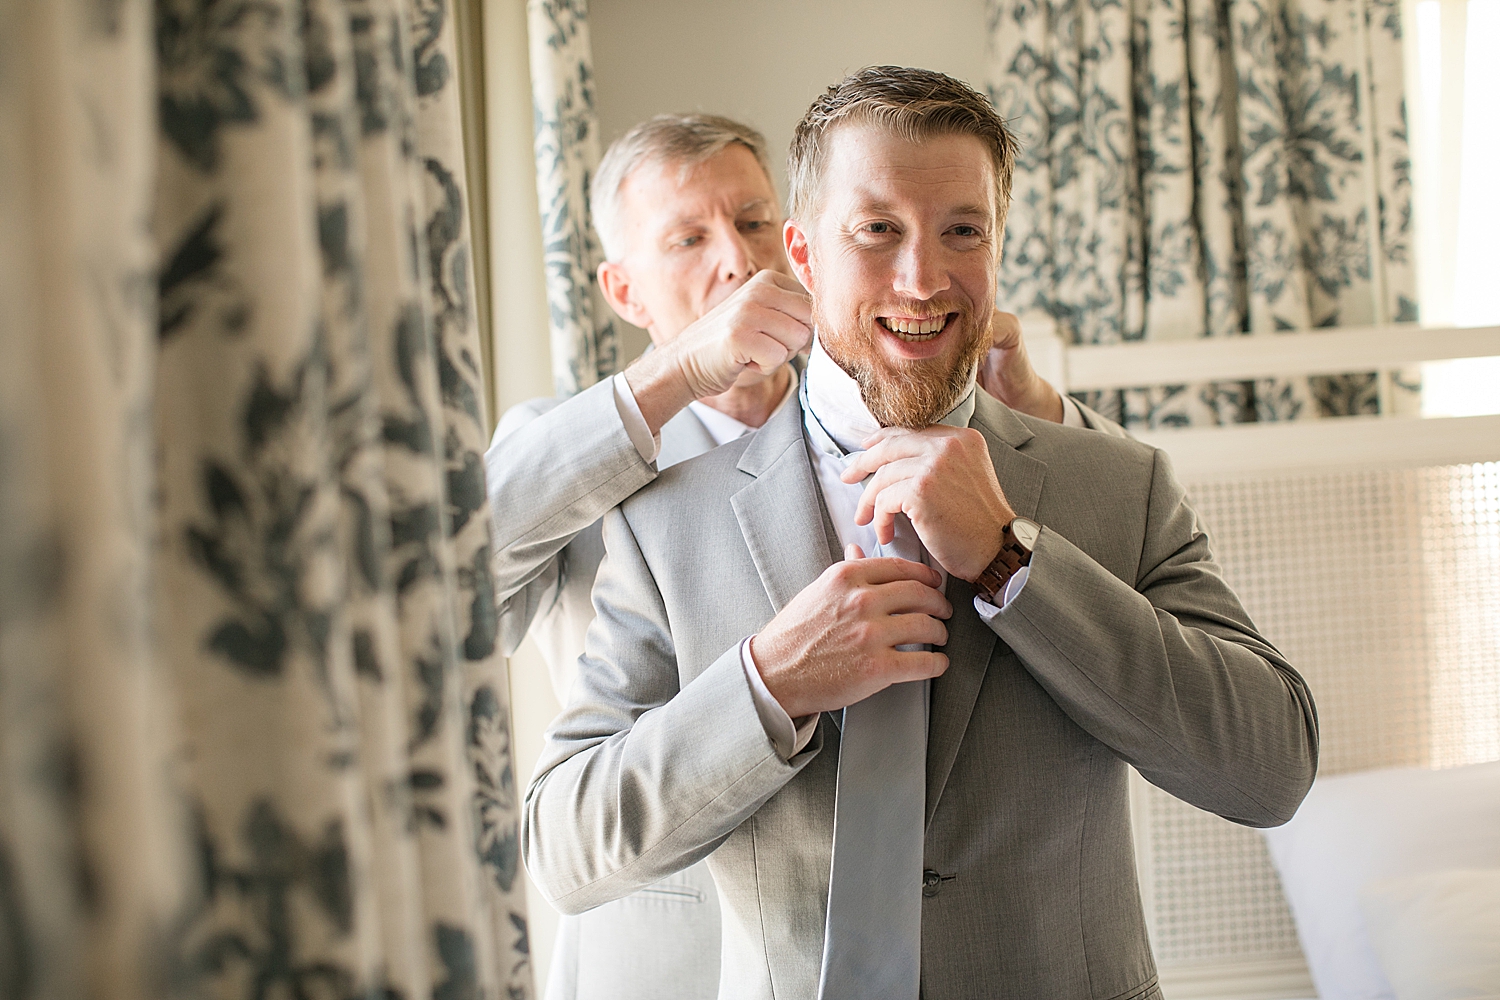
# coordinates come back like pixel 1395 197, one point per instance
pixel 920 272
pixel 736 259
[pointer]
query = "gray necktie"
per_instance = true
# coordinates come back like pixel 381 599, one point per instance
pixel 872 944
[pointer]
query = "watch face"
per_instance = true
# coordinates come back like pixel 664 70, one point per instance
pixel 1026 531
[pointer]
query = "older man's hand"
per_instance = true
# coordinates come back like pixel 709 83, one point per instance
pixel 943 480
pixel 758 328
pixel 1006 372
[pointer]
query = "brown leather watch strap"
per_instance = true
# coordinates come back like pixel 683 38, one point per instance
pixel 990 584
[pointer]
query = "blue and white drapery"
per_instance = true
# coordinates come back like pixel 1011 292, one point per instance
pixel 585 343
pixel 1207 168
pixel 254 727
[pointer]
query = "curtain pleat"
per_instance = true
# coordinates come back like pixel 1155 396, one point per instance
pixel 1202 168
pixel 585 342
pixel 90 834
pixel 254 729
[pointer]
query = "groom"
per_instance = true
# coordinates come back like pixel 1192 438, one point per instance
pixel 885 662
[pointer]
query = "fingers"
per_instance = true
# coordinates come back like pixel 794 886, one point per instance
pixel 787 330
pixel 891 443
pixel 884 478
pixel 1005 331
pixel 885 569
pixel 881 501
pixel 917 665
pixel 781 292
pixel 785 282
pixel 852 552
pixel 906 630
pixel 907 597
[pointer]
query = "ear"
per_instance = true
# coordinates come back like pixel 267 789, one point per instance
pixel 798 252
pixel 614 282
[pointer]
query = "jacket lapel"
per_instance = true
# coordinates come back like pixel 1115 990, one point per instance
pixel 971 642
pixel 781 513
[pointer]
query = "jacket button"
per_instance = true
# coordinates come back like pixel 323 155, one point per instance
pixel 931 882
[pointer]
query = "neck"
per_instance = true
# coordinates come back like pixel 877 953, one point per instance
pixel 753 404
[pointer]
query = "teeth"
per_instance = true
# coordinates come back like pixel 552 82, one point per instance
pixel 910 330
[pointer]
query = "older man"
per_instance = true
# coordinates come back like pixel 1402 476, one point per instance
pixel 690 224
pixel 908 771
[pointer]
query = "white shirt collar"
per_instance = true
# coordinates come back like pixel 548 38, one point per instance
pixel 835 401
pixel 722 427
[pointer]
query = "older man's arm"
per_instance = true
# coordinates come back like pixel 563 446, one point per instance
pixel 1170 673
pixel 641 776
pixel 553 469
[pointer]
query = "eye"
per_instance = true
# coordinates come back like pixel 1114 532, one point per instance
pixel 968 231
pixel 689 241
pixel 754 225
pixel 880 228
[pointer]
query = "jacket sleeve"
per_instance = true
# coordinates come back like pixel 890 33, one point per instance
pixel 641 776
pixel 553 469
pixel 1170 673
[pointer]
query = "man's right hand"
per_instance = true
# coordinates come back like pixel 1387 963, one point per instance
pixel 758 328
pixel 835 643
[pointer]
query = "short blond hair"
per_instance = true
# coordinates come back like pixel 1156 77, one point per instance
pixel 914 104
pixel 683 139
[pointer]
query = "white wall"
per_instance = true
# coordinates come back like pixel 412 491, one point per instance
pixel 764 61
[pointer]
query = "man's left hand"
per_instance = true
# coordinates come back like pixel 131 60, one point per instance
pixel 943 480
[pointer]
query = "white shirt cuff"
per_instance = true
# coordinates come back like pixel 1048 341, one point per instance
pixel 1012 588
pixel 1072 415
pixel 648 444
pixel 788 738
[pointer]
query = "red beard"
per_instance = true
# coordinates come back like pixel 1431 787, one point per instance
pixel 913 393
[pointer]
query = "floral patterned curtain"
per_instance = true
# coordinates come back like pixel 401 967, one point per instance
pixel 585 344
pixel 254 730
pixel 1207 168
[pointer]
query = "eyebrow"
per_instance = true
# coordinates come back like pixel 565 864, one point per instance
pixel 693 220
pixel 878 205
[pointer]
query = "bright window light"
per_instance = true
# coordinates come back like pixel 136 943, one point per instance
pixel 1455 144
pixel 1477 262
pixel 1469 387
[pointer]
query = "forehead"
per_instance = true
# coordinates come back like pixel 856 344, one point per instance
pixel 662 191
pixel 867 164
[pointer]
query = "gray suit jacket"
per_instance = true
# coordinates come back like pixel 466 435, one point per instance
pixel 554 468
pixel 1124 647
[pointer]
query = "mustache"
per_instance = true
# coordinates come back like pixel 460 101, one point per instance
pixel 919 308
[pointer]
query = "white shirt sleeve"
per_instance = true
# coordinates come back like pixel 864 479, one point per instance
pixel 788 738
pixel 1072 415
pixel 1012 588
pixel 648 444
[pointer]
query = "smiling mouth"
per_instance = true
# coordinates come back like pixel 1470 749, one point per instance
pixel 916 331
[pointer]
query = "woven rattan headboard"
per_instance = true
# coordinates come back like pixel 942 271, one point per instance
pixel 1368 549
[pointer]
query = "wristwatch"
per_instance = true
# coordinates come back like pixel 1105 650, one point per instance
pixel 1017 540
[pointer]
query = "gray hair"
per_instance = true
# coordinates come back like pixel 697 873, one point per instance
pixel 684 139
